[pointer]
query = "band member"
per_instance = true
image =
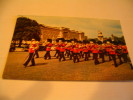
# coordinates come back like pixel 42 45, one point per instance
pixel 102 52
pixel 37 48
pixel 112 53
pixel 91 46
pixel 75 54
pixel 81 54
pixel 71 48
pixel 119 53
pixel 57 49
pixel 125 53
pixel 32 48
pixel 89 49
pixel 48 49
pixel 107 48
pixel 95 52
pixel 85 50
pixel 62 50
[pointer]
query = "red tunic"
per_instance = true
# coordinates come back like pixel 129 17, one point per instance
pixel 48 48
pixel 85 49
pixel 62 47
pixel 75 50
pixel 124 49
pixel 112 52
pixel 31 50
pixel 95 51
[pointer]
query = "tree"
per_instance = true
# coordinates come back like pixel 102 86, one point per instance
pixel 119 39
pixel 26 29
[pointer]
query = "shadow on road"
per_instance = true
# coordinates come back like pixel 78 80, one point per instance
pixel 41 63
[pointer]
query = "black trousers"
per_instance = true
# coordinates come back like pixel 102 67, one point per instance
pixel 124 55
pixel 36 53
pixel 86 56
pixel 101 55
pixel 47 55
pixel 75 57
pixel 30 58
pixel 95 56
pixel 62 56
pixel 57 53
pixel 89 52
pixel 119 57
pixel 71 55
pixel 67 53
pixel 114 60
pixel 81 54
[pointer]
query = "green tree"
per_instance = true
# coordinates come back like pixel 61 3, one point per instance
pixel 26 29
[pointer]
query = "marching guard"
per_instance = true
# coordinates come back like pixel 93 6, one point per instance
pixel 95 51
pixel 57 53
pixel 48 49
pixel 102 53
pixel 32 49
pixel 85 50
pixel 75 54
pixel 125 53
pixel 62 50
pixel 37 48
pixel 112 53
pixel 119 53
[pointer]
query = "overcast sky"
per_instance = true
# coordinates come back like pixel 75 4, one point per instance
pixel 90 26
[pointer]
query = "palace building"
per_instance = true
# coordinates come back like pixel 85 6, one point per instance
pixel 53 33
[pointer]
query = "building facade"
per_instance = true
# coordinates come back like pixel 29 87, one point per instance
pixel 53 33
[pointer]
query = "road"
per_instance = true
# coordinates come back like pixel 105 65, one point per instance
pixel 53 70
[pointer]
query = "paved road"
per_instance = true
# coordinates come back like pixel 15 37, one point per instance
pixel 65 70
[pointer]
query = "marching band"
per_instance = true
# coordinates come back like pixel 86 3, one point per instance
pixel 75 50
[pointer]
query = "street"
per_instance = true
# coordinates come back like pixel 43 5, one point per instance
pixel 53 70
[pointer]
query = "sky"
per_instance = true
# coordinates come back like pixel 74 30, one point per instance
pixel 90 26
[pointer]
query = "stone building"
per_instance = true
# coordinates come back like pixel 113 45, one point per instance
pixel 53 33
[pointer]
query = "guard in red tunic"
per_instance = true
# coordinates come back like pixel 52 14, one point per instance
pixel 67 43
pixel 76 53
pixel 112 53
pixel 57 49
pixel 125 53
pixel 95 51
pixel 37 49
pixel 85 50
pixel 81 51
pixel 62 50
pixel 107 49
pixel 48 49
pixel 71 48
pixel 32 49
pixel 89 50
pixel 102 52
pixel 119 53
